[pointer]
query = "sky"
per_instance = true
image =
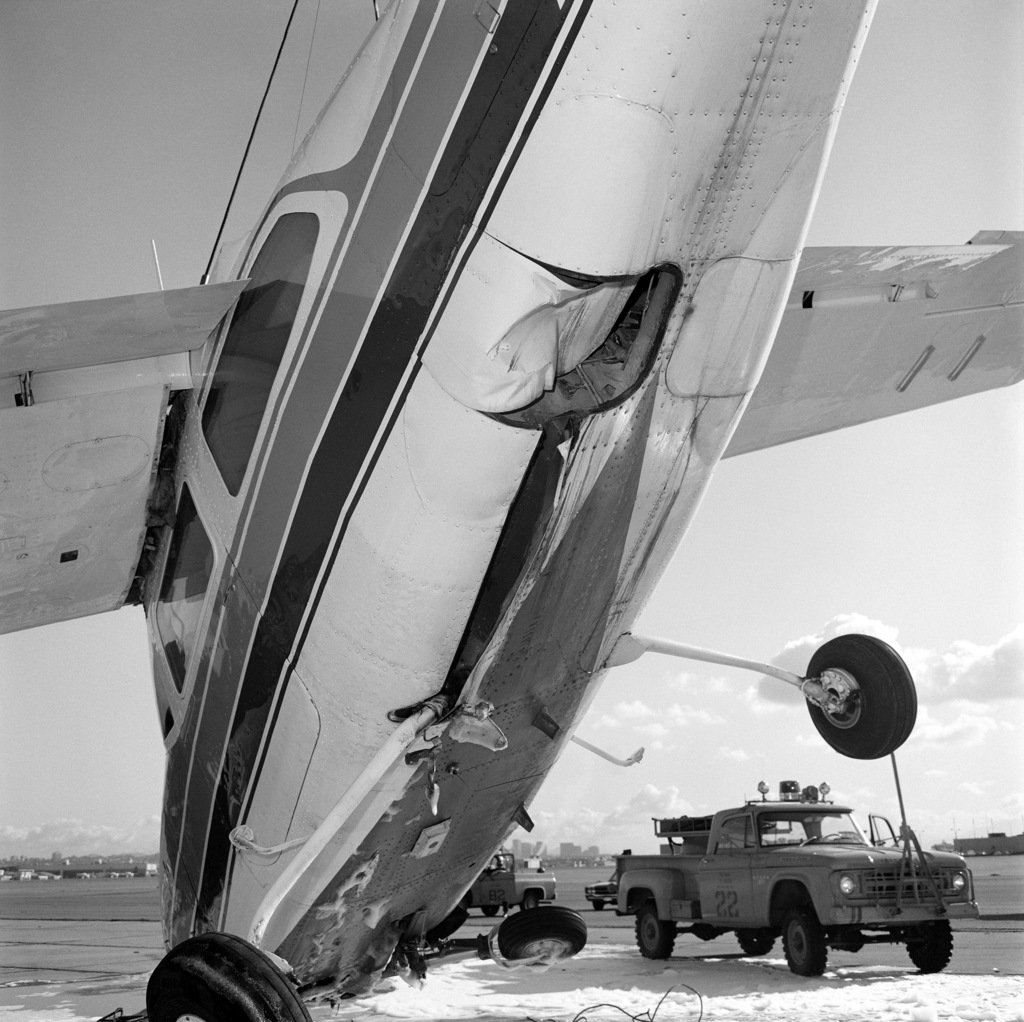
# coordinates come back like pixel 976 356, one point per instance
pixel 125 121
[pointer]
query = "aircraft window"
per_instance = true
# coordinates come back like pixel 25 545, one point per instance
pixel 255 344
pixel 186 579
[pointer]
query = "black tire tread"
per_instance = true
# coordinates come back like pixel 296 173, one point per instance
pixel 811 960
pixel 220 974
pixel 664 932
pixel 932 954
pixel 544 923
pixel 755 942
pixel 889 698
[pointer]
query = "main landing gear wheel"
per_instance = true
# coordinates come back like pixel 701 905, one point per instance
pixel 549 932
pixel 875 704
pixel 218 977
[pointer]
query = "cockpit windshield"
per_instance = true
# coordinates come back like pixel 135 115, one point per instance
pixel 800 827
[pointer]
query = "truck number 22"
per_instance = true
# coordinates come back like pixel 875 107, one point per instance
pixel 726 904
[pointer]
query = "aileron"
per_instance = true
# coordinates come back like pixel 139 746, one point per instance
pixel 872 332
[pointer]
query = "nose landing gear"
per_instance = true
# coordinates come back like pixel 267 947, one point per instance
pixel 859 692
pixel 218 977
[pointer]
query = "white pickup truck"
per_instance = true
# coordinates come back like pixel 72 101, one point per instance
pixel 798 868
pixel 501 885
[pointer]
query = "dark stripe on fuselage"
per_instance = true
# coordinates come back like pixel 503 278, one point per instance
pixel 197 761
pixel 501 92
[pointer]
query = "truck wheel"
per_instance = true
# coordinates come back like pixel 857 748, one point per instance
pixel 755 942
pixel 490 910
pixel 218 977
pixel 878 715
pixel 931 949
pixel 655 937
pixel 803 941
pixel 597 905
pixel 531 900
pixel 551 932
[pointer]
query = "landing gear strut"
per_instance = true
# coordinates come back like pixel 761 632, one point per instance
pixel 859 692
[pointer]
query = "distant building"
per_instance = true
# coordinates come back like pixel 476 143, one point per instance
pixel 995 844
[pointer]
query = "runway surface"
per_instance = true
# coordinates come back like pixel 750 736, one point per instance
pixel 77 949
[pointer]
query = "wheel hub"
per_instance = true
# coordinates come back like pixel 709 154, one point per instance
pixel 547 949
pixel 840 699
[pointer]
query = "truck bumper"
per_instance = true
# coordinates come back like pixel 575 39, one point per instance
pixel 889 915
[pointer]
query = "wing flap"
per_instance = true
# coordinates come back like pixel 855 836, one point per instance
pixel 75 483
pixel 105 330
pixel 82 418
pixel 872 332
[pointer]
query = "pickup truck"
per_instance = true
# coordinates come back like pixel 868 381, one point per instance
pixel 801 869
pixel 501 885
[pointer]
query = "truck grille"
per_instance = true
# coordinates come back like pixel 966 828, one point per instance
pixel 884 885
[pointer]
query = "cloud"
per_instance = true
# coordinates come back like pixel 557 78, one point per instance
pixel 740 755
pixel 966 670
pixel 73 837
pixel 965 730
pixel 649 801
pixel 635 710
pixel 978 790
pixel 687 715
pixel 654 729
pixel 686 681
pixel 617 828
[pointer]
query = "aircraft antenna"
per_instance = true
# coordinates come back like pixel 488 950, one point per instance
pixel 248 145
pixel 156 260
pixel 305 77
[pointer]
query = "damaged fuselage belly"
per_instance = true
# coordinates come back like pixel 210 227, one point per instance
pixel 543 277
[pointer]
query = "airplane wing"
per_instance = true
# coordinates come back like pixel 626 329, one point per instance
pixel 84 392
pixel 871 332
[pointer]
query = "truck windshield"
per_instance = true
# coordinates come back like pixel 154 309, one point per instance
pixel 802 827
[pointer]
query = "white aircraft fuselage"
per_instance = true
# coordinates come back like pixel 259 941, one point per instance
pixel 505 310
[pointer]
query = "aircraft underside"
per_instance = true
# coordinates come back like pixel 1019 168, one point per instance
pixel 556 384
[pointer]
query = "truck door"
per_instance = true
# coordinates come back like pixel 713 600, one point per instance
pixel 724 874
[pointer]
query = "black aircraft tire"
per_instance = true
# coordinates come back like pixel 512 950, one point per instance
pixel 803 941
pixel 755 942
pixel 550 931
pixel 885 706
pixel 218 977
pixel 654 937
pixel 933 952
